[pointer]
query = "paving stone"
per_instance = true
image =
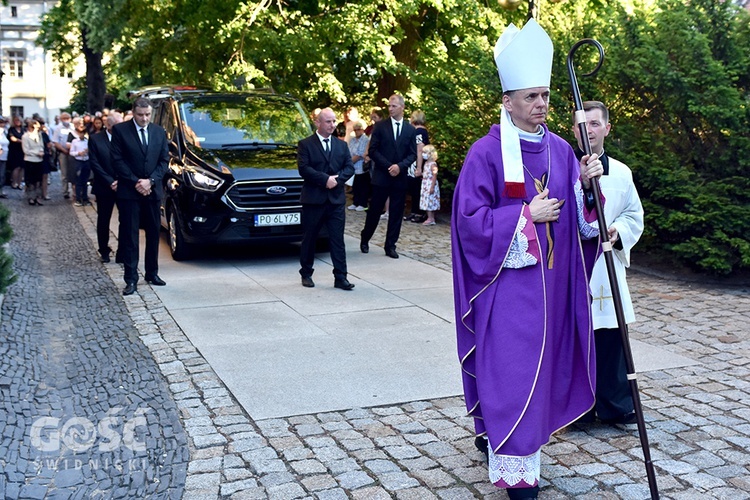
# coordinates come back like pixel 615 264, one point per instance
pixel 703 460
pixel 574 485
pixel 308 467
pixel 203 481
pixel 676 467
pixel 393 481
pixel 704 481
pixel 232 475
pixel 381 466
pixel 415 494
pixel 230 488
pixel 353 480
pixel 434 478
pixel 319 482
pixel 286 491
pixel 401 452
pixel 590 470
pixel 459 493
pixel 372 493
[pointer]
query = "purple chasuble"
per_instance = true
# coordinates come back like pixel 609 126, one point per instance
pixel 525 339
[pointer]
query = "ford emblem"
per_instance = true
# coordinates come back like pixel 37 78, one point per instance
pixel 276 190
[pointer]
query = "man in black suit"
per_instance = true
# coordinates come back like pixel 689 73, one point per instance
pixel 105 184
pixel 325 165
pixel 141 158
pixel 393 147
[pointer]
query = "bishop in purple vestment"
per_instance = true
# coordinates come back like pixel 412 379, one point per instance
pixel 522 301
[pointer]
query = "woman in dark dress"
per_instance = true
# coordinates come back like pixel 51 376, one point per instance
pixel 15 152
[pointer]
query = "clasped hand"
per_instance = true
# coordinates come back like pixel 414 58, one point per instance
pixel 545 209
pixel 143 186
pixel 332 182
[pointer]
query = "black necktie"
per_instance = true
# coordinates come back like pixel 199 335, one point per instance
pixel 143 138
pixel 327 147
pixel 398 129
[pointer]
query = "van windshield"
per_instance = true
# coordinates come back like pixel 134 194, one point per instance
pixel 222 122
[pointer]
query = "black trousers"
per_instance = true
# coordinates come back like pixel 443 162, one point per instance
pixel 522 493
pixel 361 189
pixel 105 204
pixel 415 191
pixel 132 214
pixel 613 397
pixel 396 213
pixel 314 217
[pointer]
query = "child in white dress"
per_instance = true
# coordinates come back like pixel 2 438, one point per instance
pixel 430 194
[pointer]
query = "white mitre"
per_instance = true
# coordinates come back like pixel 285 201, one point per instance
pixel 524 60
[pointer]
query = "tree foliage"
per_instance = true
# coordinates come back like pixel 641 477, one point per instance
pixel 7 276
pixel 676 79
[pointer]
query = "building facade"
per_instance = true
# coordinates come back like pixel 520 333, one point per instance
pixel 31 82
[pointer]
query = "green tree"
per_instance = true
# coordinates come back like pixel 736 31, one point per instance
pixel 7 276
pixel 676 78
pixel 88 27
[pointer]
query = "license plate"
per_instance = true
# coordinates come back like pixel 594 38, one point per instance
pixel 277 219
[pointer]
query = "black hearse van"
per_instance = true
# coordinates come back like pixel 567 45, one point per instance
pixel 232 172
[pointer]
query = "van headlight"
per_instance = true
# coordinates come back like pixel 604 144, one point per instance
pixel 200 179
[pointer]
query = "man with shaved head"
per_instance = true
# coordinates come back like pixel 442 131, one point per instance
pixel 325 165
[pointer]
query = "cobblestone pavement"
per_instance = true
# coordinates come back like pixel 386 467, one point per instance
pixel 85 411
pixel 698 417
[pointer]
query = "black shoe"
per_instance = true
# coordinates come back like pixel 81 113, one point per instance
pixel 130 289
pixel 481 445
pixel 587 418
pixel 105 254
pixel 156 281
pixel 343 284
pixel 419 218
pixel 364 247
pixel 66 196
pixel 307 282
pixel 3 195
pixel 391 252
pixel 627 419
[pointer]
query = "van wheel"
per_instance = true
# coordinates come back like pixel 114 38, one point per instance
pixel 179 249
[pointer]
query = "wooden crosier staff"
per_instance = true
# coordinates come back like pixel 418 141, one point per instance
pixel 580 119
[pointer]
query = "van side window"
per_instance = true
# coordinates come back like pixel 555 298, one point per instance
pixel 168 121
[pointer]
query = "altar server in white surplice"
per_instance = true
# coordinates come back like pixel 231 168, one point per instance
pixel 624 215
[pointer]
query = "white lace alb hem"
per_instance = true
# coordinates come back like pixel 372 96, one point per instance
pixel 511 470
pixel 518 255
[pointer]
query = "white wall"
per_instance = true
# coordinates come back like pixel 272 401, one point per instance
pixel 41 89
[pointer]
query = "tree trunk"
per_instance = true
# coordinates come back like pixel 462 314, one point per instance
pixel 95 86
pixel 405 53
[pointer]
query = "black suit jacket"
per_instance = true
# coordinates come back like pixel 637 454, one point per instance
pixel 315 168
pixel 101 163
pixel 386 151
pixel 132 162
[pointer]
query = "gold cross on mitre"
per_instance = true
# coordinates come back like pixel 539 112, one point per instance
pixel 602 297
